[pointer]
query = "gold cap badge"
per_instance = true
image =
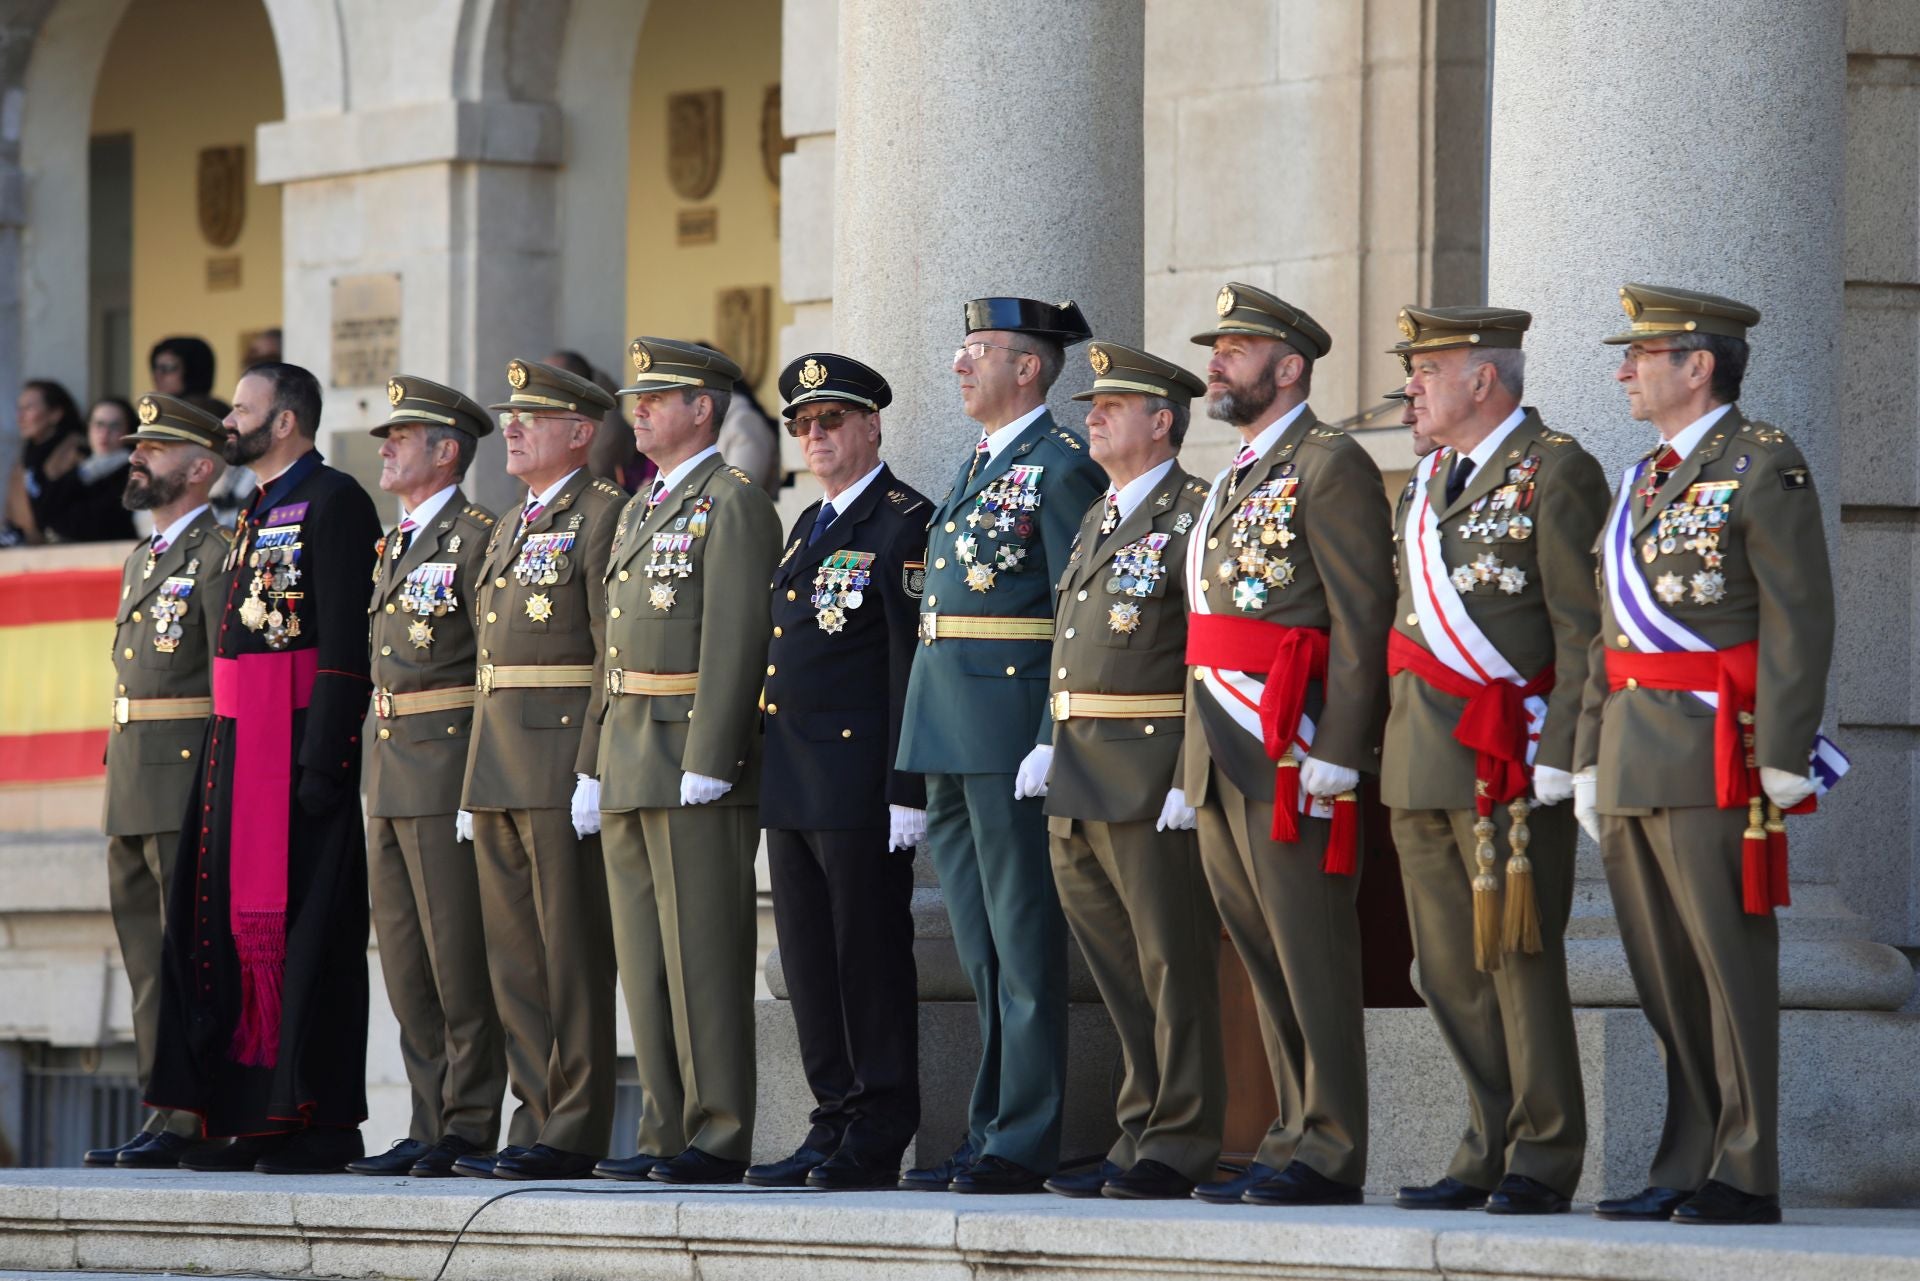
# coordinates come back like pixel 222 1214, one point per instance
pixel 395 392
pixel 1226 301
pixel 812 374
pixel 516 375
pixel 1407 329
pixel 1101 362
pixel 642 361
pixel 1630 305
pixel 149 412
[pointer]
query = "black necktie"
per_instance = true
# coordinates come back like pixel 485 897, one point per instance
pixel 1457 478
pixel 820 523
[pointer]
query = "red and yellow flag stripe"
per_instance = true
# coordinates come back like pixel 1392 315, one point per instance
pixel 56 679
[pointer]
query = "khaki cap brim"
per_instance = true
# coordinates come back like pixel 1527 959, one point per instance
pixel 1642 330
pixel 1248 331
pixel 161 434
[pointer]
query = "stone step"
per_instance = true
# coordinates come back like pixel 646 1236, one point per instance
pixel 133 1223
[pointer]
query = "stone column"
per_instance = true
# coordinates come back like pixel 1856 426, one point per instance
pixel 1709 154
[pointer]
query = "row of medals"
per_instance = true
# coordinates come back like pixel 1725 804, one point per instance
pixel 429 593
pixel 1694 525
pixel 1004 506
pixel 1500 514
pixel 671 557
pixel 168 608
pixel 1260 522
pixel 839 585
pixel 275 562
pixel 542 559
pixel 1137 569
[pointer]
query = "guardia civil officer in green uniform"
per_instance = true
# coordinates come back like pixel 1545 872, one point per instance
pixel 842 822
pixel 1699 730
pixel 425 891
pixel 1125 857
pixel 1488 659
pixel 976 725
pixel 162 698
pixel 530 792
pixel 684 655
pixel 1290 583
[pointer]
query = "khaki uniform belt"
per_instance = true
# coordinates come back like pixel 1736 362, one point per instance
pixel 128 710
pixel 388 705
pixel 935 627
pixel 557 676
pixel 1108 707
pixel 620 682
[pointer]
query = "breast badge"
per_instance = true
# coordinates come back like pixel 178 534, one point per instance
pixel 540 607
pixel 1487 570
pixel 839 587
pixel 661 596
pixel 1123 616
pixel 419 633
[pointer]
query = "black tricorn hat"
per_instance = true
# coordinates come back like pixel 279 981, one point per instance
pixel 1061 322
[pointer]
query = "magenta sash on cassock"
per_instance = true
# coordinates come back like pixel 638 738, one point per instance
pixel 260 693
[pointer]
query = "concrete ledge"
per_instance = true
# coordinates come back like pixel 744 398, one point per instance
pixel 341 1226
pixel 446 132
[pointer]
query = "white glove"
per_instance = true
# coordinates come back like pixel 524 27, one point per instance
pixel 1550 785
pixel 1784 789
pixel 1586 802
pixel 698 789
pixel 463 825
pixel 906 827
pixel 1031 781
pixel 586 805
pixel 1175 814
pixel 1328 781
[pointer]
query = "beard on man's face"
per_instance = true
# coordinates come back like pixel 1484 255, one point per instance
pixel 146 492
pixel 1242 404
pixel 243 447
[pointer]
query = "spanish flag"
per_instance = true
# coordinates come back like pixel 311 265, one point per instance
pixel 56 676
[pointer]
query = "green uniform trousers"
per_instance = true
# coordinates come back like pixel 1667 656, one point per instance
pixel 1709 980
pixel 991 854
pixel 1138 905
pixel 1510 1031
pixel 1298 933
pixel 543 897
pixel 139 869
pixel 684 929
pixel 433 956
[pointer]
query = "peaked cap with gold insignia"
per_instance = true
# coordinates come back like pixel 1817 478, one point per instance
pixel 536 386
pixel 419 400
pixel 661 364
pixel 1130 370
pixel 1439 328
pixel 1659 311
pixel 824 375
pixel 168 420
pixel 1255 313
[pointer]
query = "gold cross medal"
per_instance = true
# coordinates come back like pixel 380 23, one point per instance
pixel 1123 616
pixel 539 607
pixel 661 596
pixel 419 633
pixel 253 614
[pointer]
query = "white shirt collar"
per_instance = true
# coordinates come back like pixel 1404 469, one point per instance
pixel 678 474
pixel 428 510
pixel 1135 491
pixel 552 491
pixel 846 497
pixel 1269 437
pixel 172 532
pixel 1483 453
pixel 1689 438
pixel 997 441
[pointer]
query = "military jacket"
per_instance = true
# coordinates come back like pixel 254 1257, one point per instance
pixel 1733 549
pixel 421 637
pixel 1330 565
pixel 845 629
pixel 1518 547
pixel 996 545
pixel 538 603
pixel 161 650
pixel 684 595
pixel 1120 627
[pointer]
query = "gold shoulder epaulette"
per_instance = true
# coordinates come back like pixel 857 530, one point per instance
pixel 1328 433
pixel 608 488
pixel 1067 438
pixel 1765 433
pixel 1200 487
pixel 1555 438
pixel 738 475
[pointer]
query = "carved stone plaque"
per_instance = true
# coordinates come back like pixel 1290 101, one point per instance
pixel 222 194
pixel 693 142
pixel 366 330
pixel 774 143
pixel 742 327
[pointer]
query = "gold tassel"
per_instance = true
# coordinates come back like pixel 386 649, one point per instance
pixel 1486 900
pixel 1522 932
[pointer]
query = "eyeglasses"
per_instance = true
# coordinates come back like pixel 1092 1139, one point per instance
pixel 800 428
pixel 1643 352
pixel 978 350
pixel 167 365
pixel 524 419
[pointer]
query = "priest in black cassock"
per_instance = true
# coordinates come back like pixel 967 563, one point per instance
pixel 263 1017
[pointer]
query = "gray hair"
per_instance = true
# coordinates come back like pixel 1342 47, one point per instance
pixel 464 445
pixel 1182 414
pixel 1509 366
pixel 718 398
pixel 1053 359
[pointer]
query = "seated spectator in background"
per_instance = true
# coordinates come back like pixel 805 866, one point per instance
pixel 181 366
pixel 262 349
pixel 52 443
pixel 84 505
pixel 612 455
pixel 748 438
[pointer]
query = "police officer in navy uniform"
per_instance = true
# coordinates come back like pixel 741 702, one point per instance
pixel 841 820
pixel 976 725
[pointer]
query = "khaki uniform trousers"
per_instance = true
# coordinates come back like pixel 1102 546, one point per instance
pixel 1137 902
pixel 139 870
pixel 1510 1031
pixel 1298 933
pixel 543 897
pixel 1709 980
pixel 433 956
pixel 681 884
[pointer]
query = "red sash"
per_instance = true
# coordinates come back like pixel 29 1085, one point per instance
pixel 1493 723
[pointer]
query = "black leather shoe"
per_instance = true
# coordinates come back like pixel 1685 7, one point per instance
pixel 159 1152
pixel 318 1149
pixel 1301 1184
pixel 788 1173
pixel 849 1171
pixel 1651 1205
pixel 628 1169
pixel 437 1161
pixel 230 1157
pixel 398 1159
pixel 101 1157
pixel 1718 1204
pixel 1149 1181
pixel 1448 1194
pixel 476 1165
pixel 1517 1194
pixel 541 1162
pixel 939 1177
pixel 1229 1191
pixel 696 1167
pixel 1086 1181
pixel 997 1176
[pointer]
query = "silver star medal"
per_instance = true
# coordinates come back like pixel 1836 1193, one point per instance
pixel 1513 580
pixel 1670 588
pixel 1709 587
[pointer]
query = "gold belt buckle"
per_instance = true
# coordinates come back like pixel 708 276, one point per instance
pixel 616 681
pixel 929 627
pixel 383 704
pixel 1062 705
pixel 484 678
pixel 122 711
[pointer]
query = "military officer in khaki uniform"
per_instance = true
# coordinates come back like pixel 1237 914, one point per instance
pixel 530 786
pixel 682 663
pixel 1290 583
pixel 162 698
pixel 1125 857
pixel 425 891
pixel 1488 660
pixel 1698 731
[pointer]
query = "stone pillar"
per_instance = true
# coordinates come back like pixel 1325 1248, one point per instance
pixel 1713 157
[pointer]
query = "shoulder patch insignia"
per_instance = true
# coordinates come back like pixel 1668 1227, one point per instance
pixel 608 488
pixel 913 577
pixel 1328 433
pixel 906 502
pixel 1795 478
pixel 1555 438
pixel 1067 438
pixel 739 475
